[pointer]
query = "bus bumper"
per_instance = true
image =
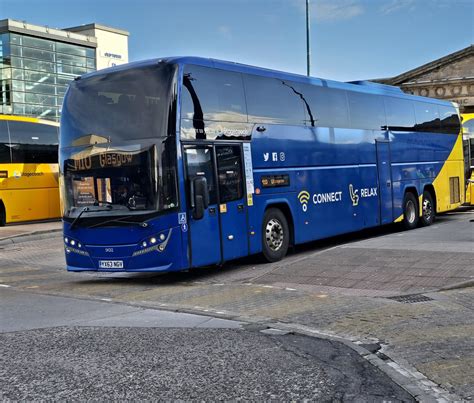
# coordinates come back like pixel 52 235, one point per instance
pixel 158 253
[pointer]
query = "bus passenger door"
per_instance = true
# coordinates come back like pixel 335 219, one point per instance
pixel 204 232
pixel 385 181
pixel 232 201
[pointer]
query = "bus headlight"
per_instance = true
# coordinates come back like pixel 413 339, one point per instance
pixel 154 243
pixel 73 246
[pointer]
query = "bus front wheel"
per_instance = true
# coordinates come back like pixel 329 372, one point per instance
pixel 275 235
pixel 410 211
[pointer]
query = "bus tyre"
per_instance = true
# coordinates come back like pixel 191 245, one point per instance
pixel 427 209
pixel 275 235
pixel 410 211
pixel 3 215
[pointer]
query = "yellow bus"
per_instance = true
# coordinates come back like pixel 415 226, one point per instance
pixel 468 136
pixel 28 169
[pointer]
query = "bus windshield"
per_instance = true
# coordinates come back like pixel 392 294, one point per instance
pixel 126 105
pixel 117 144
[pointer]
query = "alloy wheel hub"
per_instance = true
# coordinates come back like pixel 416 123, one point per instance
pixel 274 234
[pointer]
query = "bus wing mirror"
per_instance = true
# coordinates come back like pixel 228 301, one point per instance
pixel 200 196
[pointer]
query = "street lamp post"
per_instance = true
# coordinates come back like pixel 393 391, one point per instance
pixel 308 45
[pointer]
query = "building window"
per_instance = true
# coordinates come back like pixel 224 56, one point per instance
pixel 35 72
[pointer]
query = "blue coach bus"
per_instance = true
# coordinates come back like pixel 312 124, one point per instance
pixel 184 162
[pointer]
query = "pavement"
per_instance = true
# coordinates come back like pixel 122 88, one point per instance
pixel 405 298
pixel 12 231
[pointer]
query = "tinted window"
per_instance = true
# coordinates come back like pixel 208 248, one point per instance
pixel 471 141
pixel 125 105
pixel 325 107
pixel 199 164
pixel 400 114
pixel 37 43
pixel 229 170
pixel 273 100
pixel 427 117
pixel 33 143
pixel 367 111
pixel 469 126
pixel 212 94
pixel 4 143
pixel 449 120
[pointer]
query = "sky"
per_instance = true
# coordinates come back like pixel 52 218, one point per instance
pixel 350 39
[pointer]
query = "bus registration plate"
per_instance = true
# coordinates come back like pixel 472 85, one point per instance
pixel 111 264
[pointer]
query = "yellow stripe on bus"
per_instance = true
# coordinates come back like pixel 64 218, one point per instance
pixel 28 119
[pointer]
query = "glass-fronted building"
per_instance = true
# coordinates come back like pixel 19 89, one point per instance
pixel 36 65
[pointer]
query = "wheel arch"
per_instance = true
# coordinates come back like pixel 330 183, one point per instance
pixel 411 189
pixel 3 213
pixel 430 188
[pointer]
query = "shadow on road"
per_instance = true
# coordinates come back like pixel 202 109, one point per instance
pixel 215 272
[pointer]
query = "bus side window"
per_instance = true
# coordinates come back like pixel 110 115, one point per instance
pixel 229 168
pixel 449 120
pixel 4 143
pixel 400 114
pixel 213 94
pixel 273 100
pixel 367 111
pixel 33 143
pixel 427 117
pixel 199 163
pixel 325 107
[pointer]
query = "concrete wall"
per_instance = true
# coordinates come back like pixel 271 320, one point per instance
pixel 112 44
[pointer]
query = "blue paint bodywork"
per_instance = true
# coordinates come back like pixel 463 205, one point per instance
pixel 338 167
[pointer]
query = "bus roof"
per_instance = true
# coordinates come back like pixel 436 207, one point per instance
pixel 18 118
pixel 358 86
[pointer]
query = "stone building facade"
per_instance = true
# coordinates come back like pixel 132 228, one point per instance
pixel 450 77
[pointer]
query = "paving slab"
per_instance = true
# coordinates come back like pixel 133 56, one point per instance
pixel 27 311
pixel 13 231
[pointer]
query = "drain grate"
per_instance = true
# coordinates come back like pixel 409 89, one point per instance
pixel 411 299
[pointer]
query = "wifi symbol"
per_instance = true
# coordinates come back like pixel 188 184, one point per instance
pixel 303 197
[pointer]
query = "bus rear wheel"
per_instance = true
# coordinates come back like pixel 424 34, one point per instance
pixel 3 215
pixel 410 211
pixel 427 209
pixel 275 235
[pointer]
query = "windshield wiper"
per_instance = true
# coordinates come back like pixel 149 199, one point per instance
pixel 85 210
pixel 142 224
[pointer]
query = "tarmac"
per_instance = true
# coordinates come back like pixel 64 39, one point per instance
pixel 403 300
